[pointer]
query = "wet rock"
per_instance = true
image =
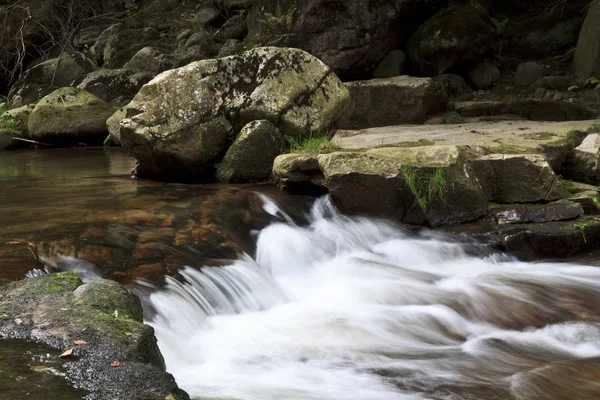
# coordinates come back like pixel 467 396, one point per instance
pixel 350 36
pixel 58 309
pixel 586 62
pixel 180 124
pixel 457 35
pixel 392 65
pixel 113 84
pixel 298 173
pixel 42 79
pixel 455 87
pixel 584 165
pixel 529 72
pixel 484 74
pixel 69 116
pixel 250 157
pixel 534 109
pixel 555 211
pixel 392 101
pixel 123 45
pixel 516 178
pixel 151 59
pixel 550 239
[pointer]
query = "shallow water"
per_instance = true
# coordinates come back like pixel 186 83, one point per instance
pixel 359 309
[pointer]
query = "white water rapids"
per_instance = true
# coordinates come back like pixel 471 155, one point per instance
pixel 358 309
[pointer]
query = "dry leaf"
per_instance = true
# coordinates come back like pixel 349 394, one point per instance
pixel 67 353
pixel 1 357
pixel 18 321
pixel 116 364
pixel 80 342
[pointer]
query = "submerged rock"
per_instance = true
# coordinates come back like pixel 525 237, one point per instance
pixel 181 123
pixel 59 309
pixel 69 116
pixel 392 101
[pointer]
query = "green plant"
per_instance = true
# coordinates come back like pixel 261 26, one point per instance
pixel 313 145
pixel 569 186
pixel 584 226
pixel 427 184
pixel 592 82
pixel 500 26
pixel 594 129
pixel 279 20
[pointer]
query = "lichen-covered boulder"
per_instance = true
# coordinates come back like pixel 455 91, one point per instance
pixel 111 85
pixel 517 178
pixel 44 78
pixel 69 116
pixel 181 123
pixel 59 310
pixel 350 36
pixel 586 63
pixel 392 101
pixel 457 35
pixel 250 157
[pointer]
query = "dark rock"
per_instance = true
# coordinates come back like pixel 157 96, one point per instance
pixel 58 309
pixel 534 109
pixel 205 17
pixel 529 72
pixel 455 87
pixel 555 211
pixel 586 63
pixel 97 49
pixel 350 36
pixel 151 59
pixel 123 45
pixel 392 101
pixel 456 35
pixel 250 157
pixel 562 83
pixel 589 201
pixel 392 65
pixel 484 74
pixel 113 84
pixel 235 28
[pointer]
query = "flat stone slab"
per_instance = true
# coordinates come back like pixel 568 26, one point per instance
pixel 501 136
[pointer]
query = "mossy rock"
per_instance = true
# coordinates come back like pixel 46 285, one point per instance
pixel 69 116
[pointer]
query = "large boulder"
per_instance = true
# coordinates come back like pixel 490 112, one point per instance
pixel 250 157
pixel 456 35
pixel 97 50
pixel 180 124
pixel 587 56
pixel 114 85
pixel 44 78
pixel 517 178
pixel 392 101
pixel 151 59
pixel 351 36
pixel 430 185
pixel 60 311
pixel 69 116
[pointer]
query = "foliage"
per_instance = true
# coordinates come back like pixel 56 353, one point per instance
pixel 315 145
pixel 594 129
pixel 279 21
pixel 427 184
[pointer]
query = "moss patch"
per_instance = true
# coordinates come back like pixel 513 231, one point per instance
pixel 318 145
pixel 61 282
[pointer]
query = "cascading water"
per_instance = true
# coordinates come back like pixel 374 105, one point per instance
pixel 358 309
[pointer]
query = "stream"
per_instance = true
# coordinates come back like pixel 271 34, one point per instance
pixel 259 295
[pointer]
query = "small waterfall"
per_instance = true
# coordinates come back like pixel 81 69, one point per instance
pixel 355 308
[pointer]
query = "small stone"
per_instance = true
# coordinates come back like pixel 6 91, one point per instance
pixel 484 74
pixel 540 92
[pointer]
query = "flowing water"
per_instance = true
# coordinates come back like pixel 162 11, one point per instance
pixel 358 309
pixel 256 297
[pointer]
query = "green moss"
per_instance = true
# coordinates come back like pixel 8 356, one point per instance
pixel 585 226
pixel 569 186
pixel 427 184
pixel 61 282
pixel 594 129
pixel 121 325
pixel 317 145
pixel 509 149
pixel 415 143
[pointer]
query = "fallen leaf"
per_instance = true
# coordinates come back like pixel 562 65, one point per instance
pixel 116 364
pixel 80 342
pixel 18 321
pixel 67 353
pixel 1 357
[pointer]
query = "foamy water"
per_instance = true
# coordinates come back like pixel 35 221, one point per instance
pixel 358 309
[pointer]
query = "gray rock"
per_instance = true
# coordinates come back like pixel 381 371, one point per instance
pixel 560 210
pixel 250 157
pixel 529 72
pixel 589 201
pixel 392 101
pixel 184 35
pixel 456 35
pixel 455 87
pixel 205 17
pixel 230 48
pixel 112 84
pixel 517 178
pixel 586 62
pixel 151 59
pixel 179 124
pixel 97 49
pixel 201 38
pixel 484 74
pixel 235 28
pixel 533 109
pixel 392 65
pixel 562 83
pixel 585 162
pixel 58 309
pixel 123 45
